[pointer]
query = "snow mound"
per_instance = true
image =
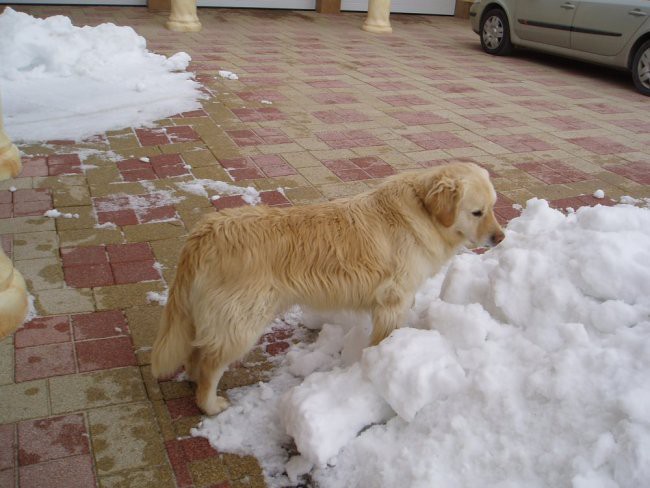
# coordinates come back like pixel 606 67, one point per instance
pixel 60 81
pixel 524 366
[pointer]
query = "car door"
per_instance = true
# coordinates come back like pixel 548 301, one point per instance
pixel 605 26
pixel 545 21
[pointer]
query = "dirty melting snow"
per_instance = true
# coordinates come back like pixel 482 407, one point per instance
pixel 60 81
pixel 525 366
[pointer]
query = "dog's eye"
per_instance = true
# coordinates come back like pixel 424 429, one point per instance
pixel 477 213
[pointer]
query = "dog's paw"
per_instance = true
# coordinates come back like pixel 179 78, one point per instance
pixel 215 405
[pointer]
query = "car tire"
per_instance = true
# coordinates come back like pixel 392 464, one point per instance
pixel 641 68
pixel 495 33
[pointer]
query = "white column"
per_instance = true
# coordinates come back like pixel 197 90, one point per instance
pixel 13 295
pixel 378 19
pixel 183 17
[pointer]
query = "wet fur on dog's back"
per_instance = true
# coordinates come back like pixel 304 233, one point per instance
pixel 241 267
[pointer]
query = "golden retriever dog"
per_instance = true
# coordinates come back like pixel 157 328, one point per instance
pixel 241 267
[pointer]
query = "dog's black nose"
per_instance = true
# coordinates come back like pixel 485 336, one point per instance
pixel 497 237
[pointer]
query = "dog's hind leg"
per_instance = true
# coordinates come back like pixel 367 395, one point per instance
pixel 229 335
pixel 388 314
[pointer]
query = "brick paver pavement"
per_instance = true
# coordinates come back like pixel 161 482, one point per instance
pixel 321 110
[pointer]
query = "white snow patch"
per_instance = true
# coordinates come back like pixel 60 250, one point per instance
pixel 266 102
pixel 54 213
pixel 599 194
pixel 60 81
pixel 199 187
pixel 524 366
pixel 229 75
pixel 160 298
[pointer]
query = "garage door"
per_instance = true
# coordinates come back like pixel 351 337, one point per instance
pixel 435 7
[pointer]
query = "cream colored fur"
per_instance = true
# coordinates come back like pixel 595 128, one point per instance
pixel 241 267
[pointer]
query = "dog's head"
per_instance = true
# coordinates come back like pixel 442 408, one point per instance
pixel 460 199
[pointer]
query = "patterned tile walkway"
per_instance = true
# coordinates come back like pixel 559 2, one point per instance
pixel 320 110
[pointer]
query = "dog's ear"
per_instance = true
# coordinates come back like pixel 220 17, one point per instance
pixel 442 199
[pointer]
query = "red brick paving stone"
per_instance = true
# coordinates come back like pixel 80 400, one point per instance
pixel 539 105
pixel 521 143
pixel 418 118
pixel 604 108
pixel 639 172
pixel 453 87
pixel 88 276
pixel 6 196
pixel 245 174
pixel 179 462
pixel 273 166
pixel 493 121
pixel 59 164
pixel 236 163
pixel 181 133
pixel 600 145
pixel 196 448
pixel 171 170
pixel 134 272
pixel 231 201
pixel 75 256
pixel 328 84
pixel 274 198
pixel 580 201
pixel 404 100
pixel 277 348
pixel 633 125
pixel 244 137
pixel 52 438
pixel 99 325
pixel 139 175
pixel 118 217
pixel 473 103
pixel 567 123
pixel 8 477
pixel 6 210
pixel 340 116
pixel 259 95
pixel 182 407
pixel 73 471
pixel 162 213
pixel 123 253
pixel 553 172
pixel 437 140
pixel 44 330
pixel 334 98
pixel 152 137
pixel 34 166
pixel 132 165
pixel 8 443
pixel 25 209
pixel 44 361
pixel 113 352
pixel 38 195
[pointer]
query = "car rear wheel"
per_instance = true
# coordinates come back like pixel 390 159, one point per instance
pixel 495 33
pixel 641 68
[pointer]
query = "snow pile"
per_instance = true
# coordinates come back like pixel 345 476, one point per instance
pixel 524 366
pixel 55 214
pixel 65 82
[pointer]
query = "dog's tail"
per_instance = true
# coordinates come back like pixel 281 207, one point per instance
pixel 173 344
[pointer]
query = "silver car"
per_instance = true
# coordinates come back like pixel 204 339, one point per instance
pixel 608 32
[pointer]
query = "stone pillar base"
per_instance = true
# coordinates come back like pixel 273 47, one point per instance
pixel 378 20
pixel 183 17
pixel 13 297
pixel 376 28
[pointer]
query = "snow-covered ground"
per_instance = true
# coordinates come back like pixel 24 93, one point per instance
pixel 59 81
pixel 528 365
